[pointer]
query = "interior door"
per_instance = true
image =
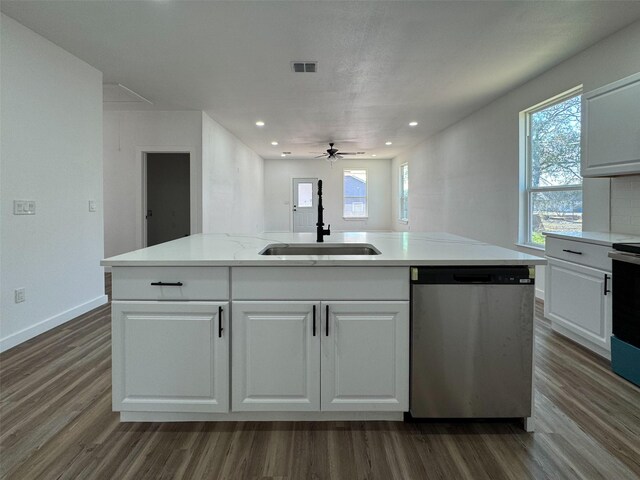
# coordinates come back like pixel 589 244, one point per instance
pixel 305 193
pixel 168 197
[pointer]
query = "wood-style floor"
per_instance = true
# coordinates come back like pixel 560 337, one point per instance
pixel 56 422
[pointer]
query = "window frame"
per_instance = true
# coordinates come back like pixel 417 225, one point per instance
pixel 366 194
pixel 402 219
pixel 526 190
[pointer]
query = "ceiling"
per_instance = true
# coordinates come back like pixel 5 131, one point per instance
pixel 381 64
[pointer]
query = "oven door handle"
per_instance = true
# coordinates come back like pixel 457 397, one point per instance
pixel 606 283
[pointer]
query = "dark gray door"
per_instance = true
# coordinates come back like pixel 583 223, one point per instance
pixel 168 197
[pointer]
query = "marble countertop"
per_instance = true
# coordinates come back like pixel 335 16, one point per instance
pixel 397 249
pixel 599 238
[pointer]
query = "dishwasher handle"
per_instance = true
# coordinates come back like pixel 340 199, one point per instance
pixel 472 278
pixel 473 275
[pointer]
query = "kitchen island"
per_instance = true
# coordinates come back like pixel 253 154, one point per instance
pixel 208 327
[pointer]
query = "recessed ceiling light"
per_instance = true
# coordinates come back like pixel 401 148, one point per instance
pixel 373 155
pixel 274 143
pixel 260 123
pixel 283 154
pixel 388 143
pixel 413 124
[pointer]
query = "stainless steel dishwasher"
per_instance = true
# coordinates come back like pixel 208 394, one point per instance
pixel 471 342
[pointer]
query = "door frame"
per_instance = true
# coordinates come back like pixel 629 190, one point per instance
pixel 194 191
pixel 292 196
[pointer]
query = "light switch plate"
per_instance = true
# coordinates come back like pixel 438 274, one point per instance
pixel 19 295
pixel 92 206
pixel 24 207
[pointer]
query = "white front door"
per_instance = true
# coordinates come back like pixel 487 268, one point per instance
pixel 305 191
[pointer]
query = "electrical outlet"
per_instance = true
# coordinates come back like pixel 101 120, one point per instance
pixel 24 207
pixel 19 295
pixel 92 205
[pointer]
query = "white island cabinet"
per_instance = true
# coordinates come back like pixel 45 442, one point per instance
pixel 170 347
pixel 341 343
pixel 321 356
pixel 206 328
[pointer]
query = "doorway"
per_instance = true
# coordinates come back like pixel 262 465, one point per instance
pixel 305 192
pixel 168 196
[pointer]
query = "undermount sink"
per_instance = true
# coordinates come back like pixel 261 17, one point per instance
pixel 320 249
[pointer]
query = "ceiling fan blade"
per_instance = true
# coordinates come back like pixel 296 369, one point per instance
pixel 320 156
pixel 348 153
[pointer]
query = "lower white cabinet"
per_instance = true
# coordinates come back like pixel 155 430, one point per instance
pixel 578 303
pixel 365 356
pixel 329 356
pixel 170 356
pixel 276 357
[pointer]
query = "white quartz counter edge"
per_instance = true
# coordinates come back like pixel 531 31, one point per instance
pixel 599 238
pixel 398 249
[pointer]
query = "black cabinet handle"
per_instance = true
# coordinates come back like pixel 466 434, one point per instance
pixel 167 284
pixel 606 282
pixel 571 251
pixel 327 318
pixel 314 320
pixel 220 322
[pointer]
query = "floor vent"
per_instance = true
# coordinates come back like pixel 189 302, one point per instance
pixel 304 67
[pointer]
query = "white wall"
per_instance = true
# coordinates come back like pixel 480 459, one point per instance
pixel 278 181
pixel 465 179
pixel 51 152
pixel 127 134
pixel 232 182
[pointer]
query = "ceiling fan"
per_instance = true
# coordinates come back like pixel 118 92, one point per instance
pixel 333 154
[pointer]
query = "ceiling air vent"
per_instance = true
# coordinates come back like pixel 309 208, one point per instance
pixel 304 67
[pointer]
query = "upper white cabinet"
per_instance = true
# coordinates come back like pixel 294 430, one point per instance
pixel 611 129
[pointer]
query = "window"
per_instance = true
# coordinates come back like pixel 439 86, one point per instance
pixel 305 194
pixel 403 191
pixel 355 193
pixel 552 193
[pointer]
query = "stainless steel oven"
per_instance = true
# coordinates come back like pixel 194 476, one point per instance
pixel 625 341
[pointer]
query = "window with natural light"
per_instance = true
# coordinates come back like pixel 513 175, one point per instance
pixel 552 193
pixel 355 193
pixel 403 191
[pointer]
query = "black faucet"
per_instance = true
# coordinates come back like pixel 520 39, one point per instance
pixel 321 232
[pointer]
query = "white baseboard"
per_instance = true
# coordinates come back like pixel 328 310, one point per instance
pixel 540 294
pixel 34 330
pixel 260 416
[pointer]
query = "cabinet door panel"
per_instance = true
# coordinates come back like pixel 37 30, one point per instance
pixel 575 301
pixel 276 357
pixel 168 357
pixel 365 356
pixel 611 129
